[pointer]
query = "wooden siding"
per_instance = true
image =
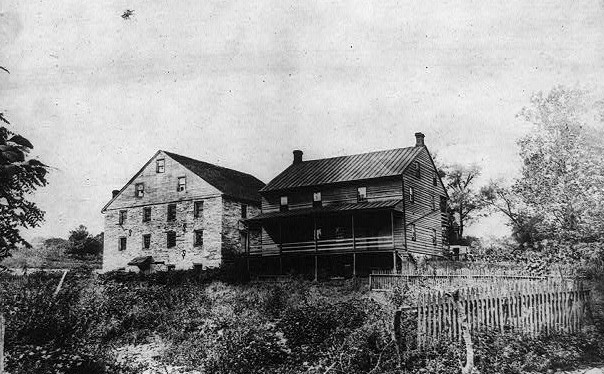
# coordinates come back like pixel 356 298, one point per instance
pixel 420 211
pixel 160 188
pixel 379 189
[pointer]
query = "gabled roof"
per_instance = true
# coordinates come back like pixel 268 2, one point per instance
pixel 371 165
pixel 230 182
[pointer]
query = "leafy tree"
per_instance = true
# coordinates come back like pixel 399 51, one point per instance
pixel 560 188
pixel 19 177
pixel 464 199
pixel 81 243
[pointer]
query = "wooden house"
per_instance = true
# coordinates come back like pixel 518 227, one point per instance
pixel 177 212
pixel 351 214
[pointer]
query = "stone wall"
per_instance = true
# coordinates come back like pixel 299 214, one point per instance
pixel 185 254
pixel 232 226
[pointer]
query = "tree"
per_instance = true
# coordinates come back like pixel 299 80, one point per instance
pixel 19 177
pixel 463 198
pixel 560 188
pixel 81 243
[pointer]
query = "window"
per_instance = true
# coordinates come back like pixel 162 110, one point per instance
pixel 171 239
pixel 146 214
pixel 160 165
pixel 283 204
pixel 433 203
pixel 182 184
pixel 417 169
pixel 413 233
pixel 362 194
pixel 171 212
pixel 434 181
pixel 122 244
pixel 146 241
pixel 443 204
pixel 198 209
pixel 411 194
pixel 123 216
pixel 434 237
pixel 318 233
pixel 139 191
pixel 243 211
pixel 198 238
pixel 316 199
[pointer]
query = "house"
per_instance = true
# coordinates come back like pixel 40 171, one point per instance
pixel 351 214
pixel 177 212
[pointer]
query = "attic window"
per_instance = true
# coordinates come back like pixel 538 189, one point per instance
pixel 413 233
pixel 140 190
pixel 433 203
pixel 362 194
pixel 317 200
pixel 434 181
pixel 182 184
pixel 160 165
pixel 417 169
pixel 411 194
pixel 283 204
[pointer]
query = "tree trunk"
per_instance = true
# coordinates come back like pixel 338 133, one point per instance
pixel 460 221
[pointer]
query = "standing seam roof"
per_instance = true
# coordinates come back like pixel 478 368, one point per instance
pixel 378 164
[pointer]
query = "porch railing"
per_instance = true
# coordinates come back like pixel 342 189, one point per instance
pixel 348 244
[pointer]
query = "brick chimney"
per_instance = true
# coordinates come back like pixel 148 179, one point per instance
pixel 419 139
pixel 297 156
pixel 114 193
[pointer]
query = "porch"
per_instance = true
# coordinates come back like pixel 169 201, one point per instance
pixel 346 231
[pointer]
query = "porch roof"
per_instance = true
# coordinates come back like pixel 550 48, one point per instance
pixel 331 208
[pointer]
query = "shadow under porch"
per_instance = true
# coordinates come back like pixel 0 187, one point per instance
pixel 329 245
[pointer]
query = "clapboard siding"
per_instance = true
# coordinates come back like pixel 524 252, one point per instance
pixel 377 189
pixel 420 212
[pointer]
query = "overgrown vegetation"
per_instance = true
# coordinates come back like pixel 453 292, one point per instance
pixel 200 321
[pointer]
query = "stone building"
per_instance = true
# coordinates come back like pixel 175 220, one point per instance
pixel 177 212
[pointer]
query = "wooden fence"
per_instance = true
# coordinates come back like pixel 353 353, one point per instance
pixel 531 308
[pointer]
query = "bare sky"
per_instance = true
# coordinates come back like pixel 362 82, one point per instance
pixel 243 83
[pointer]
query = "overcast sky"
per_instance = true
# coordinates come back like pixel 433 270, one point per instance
pixel 243 83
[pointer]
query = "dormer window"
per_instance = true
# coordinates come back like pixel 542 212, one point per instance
pixel 417 169
pixel 283 204
pixel 361 194
pixel 182 184
pixel 317 201
pixel 160 165
pixel 411 194
pixel 140 190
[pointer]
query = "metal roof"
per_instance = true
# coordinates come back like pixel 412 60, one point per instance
pixel 230 182
pixel 366 205
pixel 378 164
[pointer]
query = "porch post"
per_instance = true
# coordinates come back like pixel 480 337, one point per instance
pixel 280 249
pixel 393 246
pixel 247 246
pixel 314 234
pixel 354 248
